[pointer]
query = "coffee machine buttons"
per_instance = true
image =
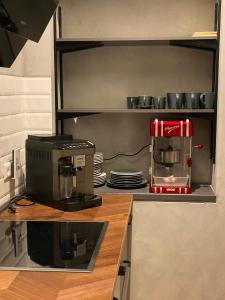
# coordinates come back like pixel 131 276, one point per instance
pixel 76 146
pixel 79 161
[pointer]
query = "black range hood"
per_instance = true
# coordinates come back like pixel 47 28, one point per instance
pixel 27 18
pixel 10 46
pixel 21 20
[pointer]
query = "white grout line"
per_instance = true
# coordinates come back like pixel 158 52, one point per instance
pixel 28 111
pixel 12 114
pixel 11 132
pixel 37 113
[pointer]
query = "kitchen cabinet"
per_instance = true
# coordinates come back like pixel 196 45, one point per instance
pixel 177 251
pixel 98 63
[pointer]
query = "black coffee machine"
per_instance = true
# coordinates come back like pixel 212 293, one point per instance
pixel 59 172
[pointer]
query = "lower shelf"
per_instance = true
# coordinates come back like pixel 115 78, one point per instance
pixel 72 113
pixel 200 194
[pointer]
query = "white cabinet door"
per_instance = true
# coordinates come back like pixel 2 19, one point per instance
pixel 177 251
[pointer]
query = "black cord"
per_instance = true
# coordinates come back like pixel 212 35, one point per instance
pixel 123 154
pixel 14 202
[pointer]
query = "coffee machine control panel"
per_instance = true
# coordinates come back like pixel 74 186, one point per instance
pixel 76 145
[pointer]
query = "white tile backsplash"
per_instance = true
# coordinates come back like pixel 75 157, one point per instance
pixel 38 104
pixel 25 108
pixel 39 121
pixel 7 185
pixel 12 123
pixel 11 193
pixel 11 141
pixel 11 85
pixel 37 86
pixel 11 105
pixel 14 85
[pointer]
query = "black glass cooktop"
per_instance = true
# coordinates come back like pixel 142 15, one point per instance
pixel 50 245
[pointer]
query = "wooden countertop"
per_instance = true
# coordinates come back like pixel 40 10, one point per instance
pixel 97 285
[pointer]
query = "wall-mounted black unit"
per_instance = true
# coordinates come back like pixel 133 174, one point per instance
pixel 10 46
pixel 27 18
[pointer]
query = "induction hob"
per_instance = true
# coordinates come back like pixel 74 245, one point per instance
pixel 31 245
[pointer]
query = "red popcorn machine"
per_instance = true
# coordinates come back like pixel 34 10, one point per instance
pixel 171 156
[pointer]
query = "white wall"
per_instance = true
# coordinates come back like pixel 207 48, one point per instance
pixel 130 18
pixel 25 105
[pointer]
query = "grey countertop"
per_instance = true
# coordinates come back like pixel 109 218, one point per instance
pixel 200 193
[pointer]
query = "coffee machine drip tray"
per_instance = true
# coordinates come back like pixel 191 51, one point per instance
pixel 70 246
pixel 78 202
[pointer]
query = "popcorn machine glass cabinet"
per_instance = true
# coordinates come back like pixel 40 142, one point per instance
pixel 171 156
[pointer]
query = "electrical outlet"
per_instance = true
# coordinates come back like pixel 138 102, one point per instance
pixel 16 164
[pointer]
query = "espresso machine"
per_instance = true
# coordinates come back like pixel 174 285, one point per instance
pixel 59 172
pixel 171 156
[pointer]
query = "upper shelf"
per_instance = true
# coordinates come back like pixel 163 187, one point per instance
pixel 73 113
pixel 204 42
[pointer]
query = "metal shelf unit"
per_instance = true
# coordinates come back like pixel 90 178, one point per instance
pixel 205 43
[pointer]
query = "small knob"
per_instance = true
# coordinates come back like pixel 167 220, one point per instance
pixel 67 250
pixel 199 146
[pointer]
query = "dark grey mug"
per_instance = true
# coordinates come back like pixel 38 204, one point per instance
pixel 192 100
pixel 159 102
pixel 132 102
pixel 175 100
pixel 207 100
pixel 145 102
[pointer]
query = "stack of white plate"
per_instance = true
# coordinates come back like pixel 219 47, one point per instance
pixel 99 177
pixel 126 179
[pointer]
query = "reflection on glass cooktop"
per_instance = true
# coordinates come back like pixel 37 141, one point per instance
pixel 50 245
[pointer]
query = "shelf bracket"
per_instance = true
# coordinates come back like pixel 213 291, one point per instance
pixel 71 115
pixel 206 45
pixel 67 47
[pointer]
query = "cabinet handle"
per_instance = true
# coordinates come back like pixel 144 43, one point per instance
pixel 125 271
pixel 130 219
